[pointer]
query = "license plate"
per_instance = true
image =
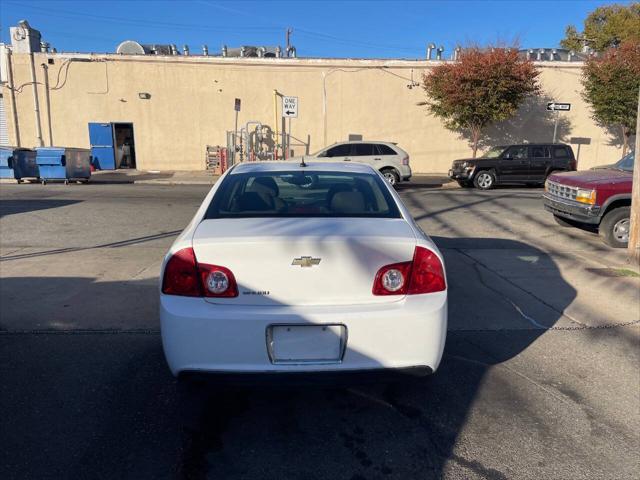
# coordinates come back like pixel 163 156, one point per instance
pixel 306 343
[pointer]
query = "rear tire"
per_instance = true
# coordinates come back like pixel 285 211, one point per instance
pixel 391 176
pixel 485 180
pixel 615 227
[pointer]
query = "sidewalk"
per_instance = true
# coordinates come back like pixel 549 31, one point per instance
pixel 156 177
pixel 200 177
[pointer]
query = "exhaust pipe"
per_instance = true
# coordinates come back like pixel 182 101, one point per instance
pixel 430 49
pixel 439 53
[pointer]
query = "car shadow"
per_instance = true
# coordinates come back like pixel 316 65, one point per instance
pixel 88 403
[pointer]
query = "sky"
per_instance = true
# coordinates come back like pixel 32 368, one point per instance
pixel 355 29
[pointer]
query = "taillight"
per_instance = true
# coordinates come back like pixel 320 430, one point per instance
pixel 427 274
pixel 217 281
pixel 181 275
pixel 392 279
pixel 405 161
pixel 184 276
pixel 424 274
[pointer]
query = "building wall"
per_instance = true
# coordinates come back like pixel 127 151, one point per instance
pixel 192 100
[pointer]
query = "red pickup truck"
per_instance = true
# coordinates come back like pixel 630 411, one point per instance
pixel 600 197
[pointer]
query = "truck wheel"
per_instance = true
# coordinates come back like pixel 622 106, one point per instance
pixel 563 222
pixel 616 226
pixel 485 180
pixel 391 175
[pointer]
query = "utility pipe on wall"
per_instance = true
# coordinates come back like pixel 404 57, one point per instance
pixel 36 103
pixel 47 102
pixel 14 111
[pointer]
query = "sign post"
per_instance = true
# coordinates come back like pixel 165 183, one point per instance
pixel 289 110
pixel 557 107
pixel 236 107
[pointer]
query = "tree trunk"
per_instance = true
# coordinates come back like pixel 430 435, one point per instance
pixel 475 138
pixel 625 139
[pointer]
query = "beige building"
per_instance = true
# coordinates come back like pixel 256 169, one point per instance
pixel 180 104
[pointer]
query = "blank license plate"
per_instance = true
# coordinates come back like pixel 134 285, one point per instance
pixel 306 343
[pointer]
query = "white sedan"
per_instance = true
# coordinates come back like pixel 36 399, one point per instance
pixel 303 268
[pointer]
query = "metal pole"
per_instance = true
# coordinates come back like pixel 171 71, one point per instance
pixel 634 221
pixel 36 103
pixel 11 86
pixel 275 124
pixel 47 101
pixel 235 139
pixel 555 126
pixel 289 140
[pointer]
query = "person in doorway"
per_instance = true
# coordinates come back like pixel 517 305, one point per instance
pixel 126 153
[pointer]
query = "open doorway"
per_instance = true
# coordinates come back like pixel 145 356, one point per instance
pixel 125 148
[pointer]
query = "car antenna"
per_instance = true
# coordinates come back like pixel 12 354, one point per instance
pixel 302 164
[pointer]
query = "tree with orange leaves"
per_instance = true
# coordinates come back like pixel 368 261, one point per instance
pixel 482 87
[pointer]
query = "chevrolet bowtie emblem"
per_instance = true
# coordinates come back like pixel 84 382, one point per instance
pixel 306 261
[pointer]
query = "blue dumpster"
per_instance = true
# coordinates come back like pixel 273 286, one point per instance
pixel 24 164
pixel 18 163
pixel 6 167
pixel 60 163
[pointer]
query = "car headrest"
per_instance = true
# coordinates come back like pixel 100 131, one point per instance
pixel 251 202
pixel 347 202
pixel 265 185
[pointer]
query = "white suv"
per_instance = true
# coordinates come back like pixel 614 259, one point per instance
pixel 387 157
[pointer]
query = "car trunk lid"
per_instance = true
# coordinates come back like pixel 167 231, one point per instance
pixel 304 261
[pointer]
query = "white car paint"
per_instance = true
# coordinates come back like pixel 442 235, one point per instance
pixel 230 334
pixel 383 162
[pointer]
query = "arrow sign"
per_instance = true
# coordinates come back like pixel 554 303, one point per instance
pixel 290 107
pixel 554 106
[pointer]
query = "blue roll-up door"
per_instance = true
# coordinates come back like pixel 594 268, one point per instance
pixel 102 151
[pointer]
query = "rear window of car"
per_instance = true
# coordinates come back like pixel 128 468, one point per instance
pixel 540 152
pixel 302 194
pixel 386 150
pixel 362 149
pixel 561 152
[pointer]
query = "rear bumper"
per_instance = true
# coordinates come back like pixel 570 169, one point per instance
pixel 405 173
pixel 331 378
pixel 572 210
pixel 200 337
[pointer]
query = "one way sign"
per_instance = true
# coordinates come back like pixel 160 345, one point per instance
pixel 551 106
pixel 290 107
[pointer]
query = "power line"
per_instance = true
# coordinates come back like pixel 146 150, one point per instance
pixel 138 21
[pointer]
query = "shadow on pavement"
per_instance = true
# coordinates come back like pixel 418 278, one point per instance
pixel 100 404
pixel 14 207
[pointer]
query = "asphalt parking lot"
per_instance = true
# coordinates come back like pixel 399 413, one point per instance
pixel 540 377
